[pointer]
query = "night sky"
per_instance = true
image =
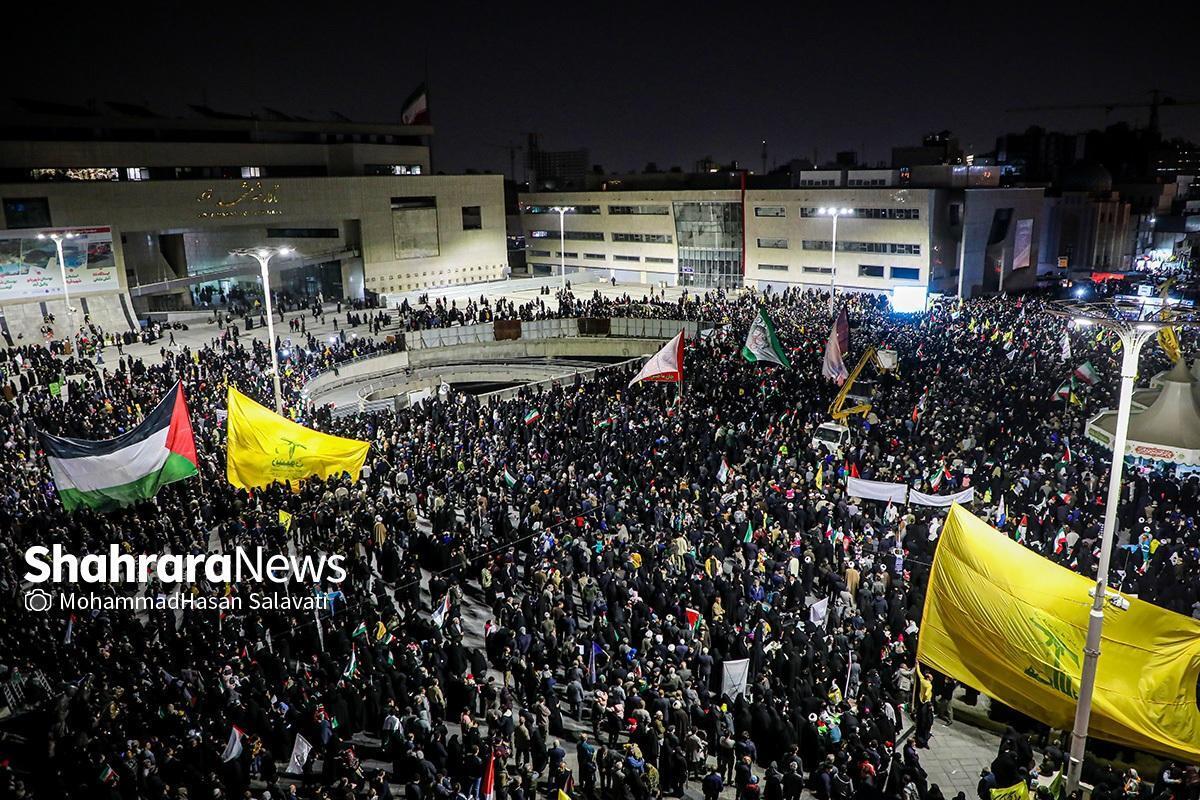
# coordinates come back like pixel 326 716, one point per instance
pixel 668 83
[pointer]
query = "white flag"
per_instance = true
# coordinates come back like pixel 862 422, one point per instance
pixel 233 748
pixel 299 758
pixel 442 611
pixel 817 612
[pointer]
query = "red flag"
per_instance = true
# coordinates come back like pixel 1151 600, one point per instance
pixel 853 470
pixel 487 785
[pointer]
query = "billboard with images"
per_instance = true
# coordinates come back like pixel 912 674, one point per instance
pixel 29 266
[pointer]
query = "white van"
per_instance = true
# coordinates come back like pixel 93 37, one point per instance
pixel 831 436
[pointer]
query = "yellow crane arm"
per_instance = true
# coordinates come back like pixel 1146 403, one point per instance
pixel 835 408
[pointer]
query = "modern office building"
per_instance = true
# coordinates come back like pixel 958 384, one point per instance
pixel 890 236
pixel 161 201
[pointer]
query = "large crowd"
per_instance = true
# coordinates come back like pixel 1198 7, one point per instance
pixel 523 584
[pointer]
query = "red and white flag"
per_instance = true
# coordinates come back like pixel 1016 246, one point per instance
pixel 416 107
pixel 666 365
pixel 487 785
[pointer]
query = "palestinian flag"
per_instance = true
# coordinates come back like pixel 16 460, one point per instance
pixel 108 775
pixel 532 417
pixel 233 748
pixel 1086 373
pixel 510 480
pixel 361 630
pixel 762 343
pixel 693 618
pixel 1066 459
pixel 723 471
pixel 105 474
pixel 352 666
pixel 607 422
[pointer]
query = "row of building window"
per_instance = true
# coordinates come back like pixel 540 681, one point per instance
pixel 625 210
pixel 599 256
pixel 887 248
pixel 870 213
pixel 598 236
pixel 864 271
pixel 866 182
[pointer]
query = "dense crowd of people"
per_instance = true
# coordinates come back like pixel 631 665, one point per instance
pixel 522 583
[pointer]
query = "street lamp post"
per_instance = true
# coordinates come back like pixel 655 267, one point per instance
pixel 562 242
pixel 833 212
pixel 263 256
pixel 1134 327
pixel 58 238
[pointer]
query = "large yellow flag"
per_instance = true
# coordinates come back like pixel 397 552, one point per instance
pixel 264 447
pixel 1006 621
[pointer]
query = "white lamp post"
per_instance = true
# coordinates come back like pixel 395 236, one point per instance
pixel 562 241
pixel 834 212
pixel 1128 321
pixel 58 238
pixel 263 256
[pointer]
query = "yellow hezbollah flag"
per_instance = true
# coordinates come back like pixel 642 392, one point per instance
pixel 1006 621
pixel 285 519
pixel 264 447
pixel 1018 791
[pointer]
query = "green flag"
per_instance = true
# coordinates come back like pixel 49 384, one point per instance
pixel 749 537
pixel 762 344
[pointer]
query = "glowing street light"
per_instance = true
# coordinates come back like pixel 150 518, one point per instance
pixel 1134 324
pixel 562 240
pixel 58 238
pixel 263 256
pixel 834 212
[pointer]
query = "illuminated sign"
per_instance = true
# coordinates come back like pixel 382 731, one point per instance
pixel 249 200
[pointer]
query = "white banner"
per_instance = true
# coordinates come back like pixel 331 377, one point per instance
pixel 942 500
pixel 817 612
pixel 734 675
pixel 876 490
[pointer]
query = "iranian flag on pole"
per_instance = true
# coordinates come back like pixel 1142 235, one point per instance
pixel 1086 373
pixel 666 365
pixel 532 417
pixel 109 473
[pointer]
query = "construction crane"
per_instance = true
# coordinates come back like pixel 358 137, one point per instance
pixel 1156 101
pixel 836 411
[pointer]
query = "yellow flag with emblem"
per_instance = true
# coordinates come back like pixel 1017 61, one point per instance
pixel 1018 791
pixel 1012 624
pixel 264 447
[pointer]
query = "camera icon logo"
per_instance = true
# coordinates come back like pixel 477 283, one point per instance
pixel 38 600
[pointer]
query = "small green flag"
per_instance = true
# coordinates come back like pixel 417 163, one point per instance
pixel 361 630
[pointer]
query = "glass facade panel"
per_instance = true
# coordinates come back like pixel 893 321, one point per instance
pixel 709 237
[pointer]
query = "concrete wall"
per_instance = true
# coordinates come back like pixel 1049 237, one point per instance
pixel 140 209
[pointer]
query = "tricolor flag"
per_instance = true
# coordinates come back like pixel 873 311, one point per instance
pixel 1067 451
pixel 416 108
pixel 834 366
pixel 936 480
pixel 1001 514
pixel 919 408
pixel 233 748
pixel 442 611
pixel 723 471
pixel 510 480
pixel 762 343
pixel 749 537
pixel 361 630
pixel 1066 389
pixel 70 630
pixel 108 775
pixel 693 618
pixel 1022 527
pixel 352 666
pixel 109 473
pixel 1086 373
pixel 532 417
pixel 487 783
pixel 666 365
pixel 607 422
